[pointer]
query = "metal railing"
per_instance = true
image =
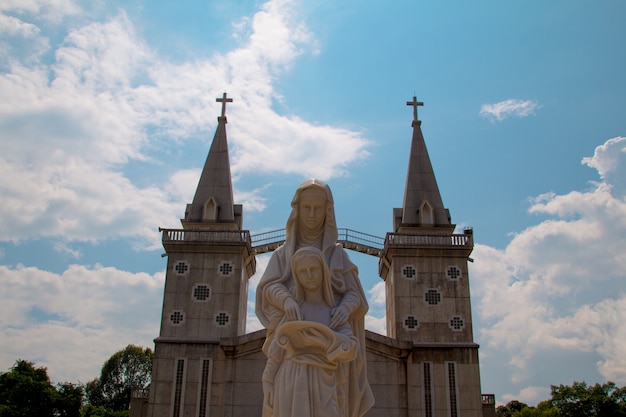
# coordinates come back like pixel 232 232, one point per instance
pixel 269 238
pixel 351 239
pixel 349 235
pixel 361 242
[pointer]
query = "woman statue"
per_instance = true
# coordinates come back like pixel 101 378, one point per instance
pixel 304 355
pixel 312 223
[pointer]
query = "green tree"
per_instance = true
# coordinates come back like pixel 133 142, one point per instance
pixel 128 368
pixel 69 400
pixel 25 390
pixel 543 409
pixel 93 411
pixel 510 408
pixel 580 400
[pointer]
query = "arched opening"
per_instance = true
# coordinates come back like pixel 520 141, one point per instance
pixel 210 210
pixel 426 214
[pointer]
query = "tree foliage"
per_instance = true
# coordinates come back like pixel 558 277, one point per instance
pixel 510 408
pixel 128 368
pixel 93 411
pixel 577 400
pixel 606 400
pixel 25 390
pixel 69 399
pixel 543 409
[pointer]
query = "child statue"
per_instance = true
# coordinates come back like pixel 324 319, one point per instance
pixel 302 377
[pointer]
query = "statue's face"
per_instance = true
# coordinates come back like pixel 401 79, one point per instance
pixel 312 209
pixel 309 273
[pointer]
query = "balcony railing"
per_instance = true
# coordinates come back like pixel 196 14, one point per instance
pixel 488 399
pixel 221 236
pixel 351 239
pixel 456 240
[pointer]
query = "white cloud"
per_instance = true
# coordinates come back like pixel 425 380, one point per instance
pixel 377 295
pixel 79 201
pixel 507 108
pixel 252 200
pixel 72 128
pixel 529 395
pixel 73 321
pixel 302 149
pixel 64 247
pixel 252 323
pixel 375 319
pixel 376 324
pixel 610 161
pixel 13 26
pixel 20 41
pixel 50 10
pixel 559 285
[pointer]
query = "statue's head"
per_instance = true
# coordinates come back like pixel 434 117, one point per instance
pixel 312 207
pixel 310 273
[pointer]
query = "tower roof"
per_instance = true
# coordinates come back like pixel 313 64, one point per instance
pixel 422 205
pixel 213 201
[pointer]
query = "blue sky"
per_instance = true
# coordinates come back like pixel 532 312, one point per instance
pixel 108 110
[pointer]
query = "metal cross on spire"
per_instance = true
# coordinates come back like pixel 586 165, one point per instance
pixel 224 100
pixel 415 104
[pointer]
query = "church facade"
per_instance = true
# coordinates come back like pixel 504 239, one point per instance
pixel 206 365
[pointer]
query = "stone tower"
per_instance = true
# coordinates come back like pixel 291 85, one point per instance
pixel 424 265
pixel 209 262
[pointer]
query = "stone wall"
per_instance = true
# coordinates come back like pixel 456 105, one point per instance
pixel 407 379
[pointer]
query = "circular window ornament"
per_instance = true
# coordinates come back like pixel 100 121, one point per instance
pixel 177 318
pixel 457 324
pixel 432 297
pixel 409 272
pixel 181 268
pixel 222 319
pixel 410 323
pixel 225 269
pixel 453 272
pixel 201 292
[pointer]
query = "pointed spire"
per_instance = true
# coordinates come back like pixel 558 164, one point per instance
pixel 213 201
pixel 422 205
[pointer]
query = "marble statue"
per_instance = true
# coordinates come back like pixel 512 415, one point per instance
pixel 303 377
pixel 284 314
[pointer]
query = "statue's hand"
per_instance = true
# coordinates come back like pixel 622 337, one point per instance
pixel 292 310
pixel 268 389
pixel 338 317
